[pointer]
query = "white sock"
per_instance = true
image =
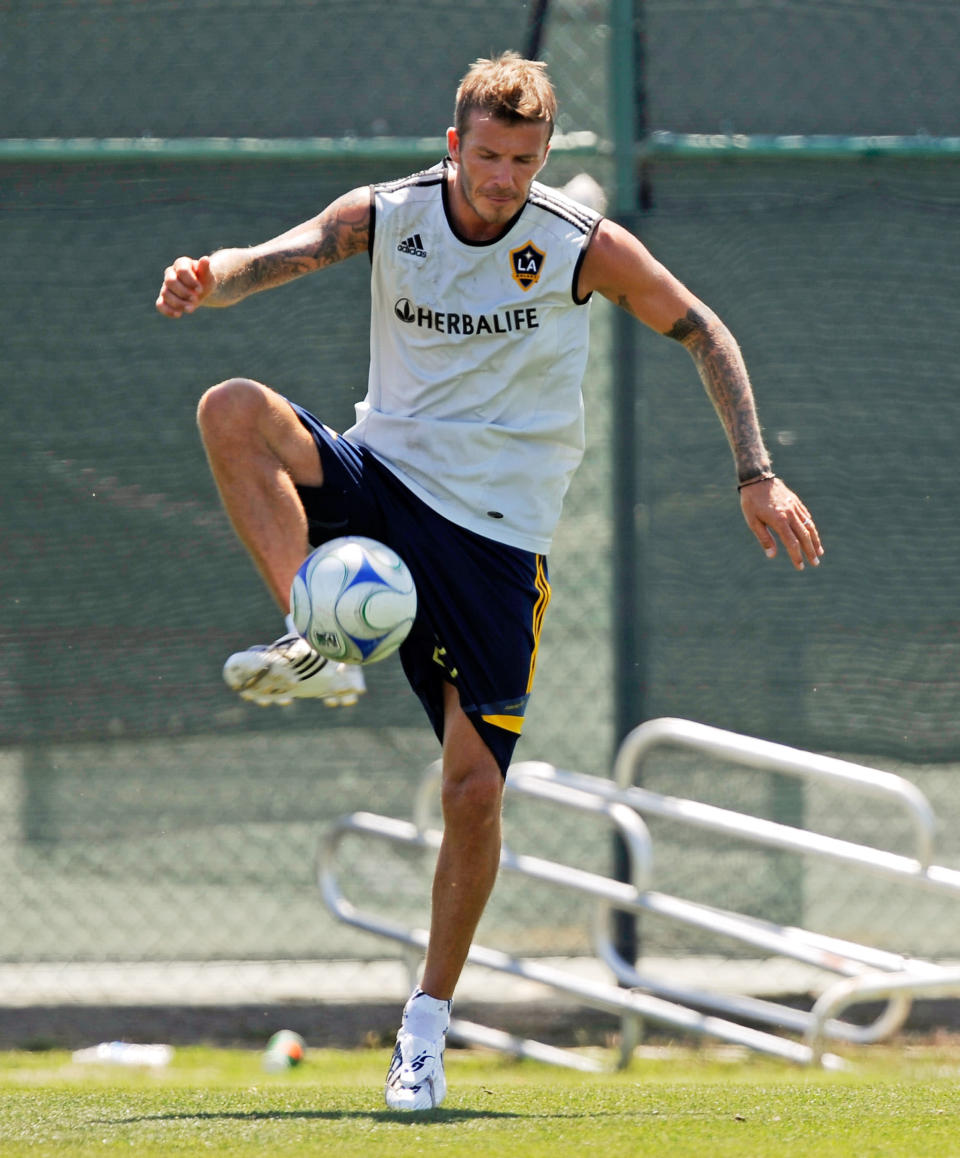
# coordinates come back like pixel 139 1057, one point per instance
pixel 291 626
pixel 426 1016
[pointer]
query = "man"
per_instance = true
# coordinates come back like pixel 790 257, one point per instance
pixel 460 457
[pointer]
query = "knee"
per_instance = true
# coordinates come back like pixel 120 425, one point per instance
pixel 230 405
pixel 473 796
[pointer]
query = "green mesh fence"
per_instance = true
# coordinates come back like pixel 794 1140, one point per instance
pixel 243 68
pixel 810 264
pixel 145 813
pixel 801 66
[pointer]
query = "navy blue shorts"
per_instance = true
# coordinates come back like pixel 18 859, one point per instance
pixel 480 603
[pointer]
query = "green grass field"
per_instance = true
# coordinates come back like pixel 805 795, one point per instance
pixel 903 1103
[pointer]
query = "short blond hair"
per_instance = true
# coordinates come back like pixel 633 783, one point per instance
pixel 508 87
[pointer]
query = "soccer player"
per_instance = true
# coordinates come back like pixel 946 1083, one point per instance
pixel 459 459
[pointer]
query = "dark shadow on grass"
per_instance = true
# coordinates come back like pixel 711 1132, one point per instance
pixel 405 1118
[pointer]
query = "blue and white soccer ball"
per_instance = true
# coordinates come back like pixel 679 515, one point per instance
pixel 353 600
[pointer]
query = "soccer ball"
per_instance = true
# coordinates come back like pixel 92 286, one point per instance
pixel 353 600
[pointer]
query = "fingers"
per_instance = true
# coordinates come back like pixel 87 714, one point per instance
pixel 774 510
pixel 185 284
pixel 802 541
pixel 809 538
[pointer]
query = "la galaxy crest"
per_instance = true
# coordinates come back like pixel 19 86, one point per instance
pixel 526 264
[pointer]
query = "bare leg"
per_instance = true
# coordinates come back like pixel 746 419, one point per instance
pixel 470 852
pixel 257 450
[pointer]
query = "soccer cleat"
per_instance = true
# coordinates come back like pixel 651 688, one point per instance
pixel 415 1079
pixel 289 669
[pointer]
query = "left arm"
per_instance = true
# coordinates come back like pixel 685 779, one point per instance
pixel 618 266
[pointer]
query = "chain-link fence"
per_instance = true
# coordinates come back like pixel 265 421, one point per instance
pixel 849 67
pixel 146 814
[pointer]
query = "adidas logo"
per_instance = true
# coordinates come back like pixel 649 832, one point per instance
pixel 412 245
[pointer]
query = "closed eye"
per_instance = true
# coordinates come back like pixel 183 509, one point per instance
pixel 524 159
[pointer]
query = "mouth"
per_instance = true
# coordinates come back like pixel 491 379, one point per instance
pixel 500 198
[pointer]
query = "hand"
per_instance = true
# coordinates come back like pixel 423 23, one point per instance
pixel 185 285
pixel 772 506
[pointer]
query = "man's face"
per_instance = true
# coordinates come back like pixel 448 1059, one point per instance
pixel 496 163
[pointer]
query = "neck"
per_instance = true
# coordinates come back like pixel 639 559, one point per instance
pixel 466 222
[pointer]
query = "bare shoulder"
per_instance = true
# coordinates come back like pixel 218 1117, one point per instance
pixel 349 218
pixel 621 268
pixel 614 256
pixel 340 230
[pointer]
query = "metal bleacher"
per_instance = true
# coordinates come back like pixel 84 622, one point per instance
pixel 856 973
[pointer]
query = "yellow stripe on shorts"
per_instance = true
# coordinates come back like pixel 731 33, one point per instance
pixel 508 723
pixel 540 607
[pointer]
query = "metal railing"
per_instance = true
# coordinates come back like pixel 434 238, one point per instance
pixel 866 973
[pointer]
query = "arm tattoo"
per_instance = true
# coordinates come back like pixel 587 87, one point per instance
pixel 262 272
pixel 724 376
pixel 344 229
pixel 682 328
pixel 339 232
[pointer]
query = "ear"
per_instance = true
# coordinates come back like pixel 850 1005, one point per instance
pixel 453 145
pixel 545 156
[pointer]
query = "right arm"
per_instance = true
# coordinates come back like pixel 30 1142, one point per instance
pixel 229 275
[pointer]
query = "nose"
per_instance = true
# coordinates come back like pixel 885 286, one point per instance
pixel 502 175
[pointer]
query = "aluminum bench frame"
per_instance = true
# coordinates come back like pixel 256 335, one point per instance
pixel 866 973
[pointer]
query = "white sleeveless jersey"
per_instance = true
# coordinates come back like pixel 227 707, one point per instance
pixel 477 352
